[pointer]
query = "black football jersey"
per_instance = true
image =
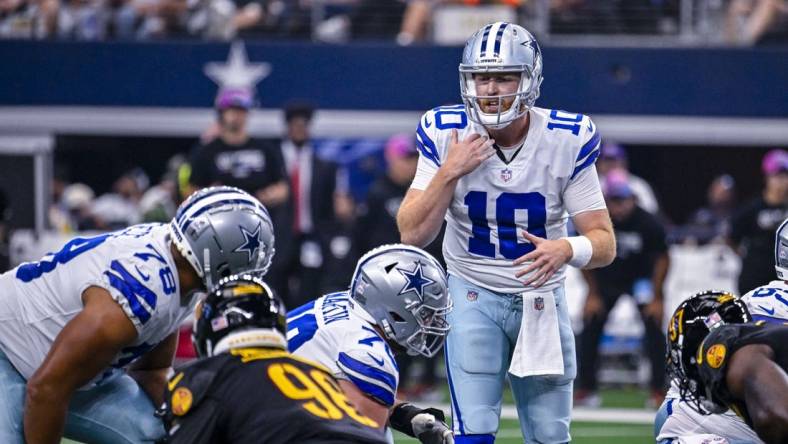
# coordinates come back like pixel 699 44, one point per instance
pixel 718 347
pixel 260 395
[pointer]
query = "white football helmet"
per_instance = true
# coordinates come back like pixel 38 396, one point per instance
pixel 501 48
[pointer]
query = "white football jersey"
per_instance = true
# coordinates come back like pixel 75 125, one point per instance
pixel 328 332
pixel 134 265
pixel 766 303
pixel 551 178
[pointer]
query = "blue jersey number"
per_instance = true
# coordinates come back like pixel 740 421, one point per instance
pixel 451 111
pixel 770 291
pixel 301 326
pixel 75 247
pixel 505 206
pixel 565 121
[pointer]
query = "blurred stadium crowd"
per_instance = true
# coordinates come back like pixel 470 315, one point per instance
pixel 741 22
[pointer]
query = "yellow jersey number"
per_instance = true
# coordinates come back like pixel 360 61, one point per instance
pixel 323 397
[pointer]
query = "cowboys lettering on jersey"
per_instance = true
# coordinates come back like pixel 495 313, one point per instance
pixel 327 331
pixel 549 178
pixel 70 322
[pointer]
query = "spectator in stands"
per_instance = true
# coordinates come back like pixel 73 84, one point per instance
pixel 151 19
pixel 417 16
pixel 639 270
pixel 757 21
pixel 711 222
pixel 120 208
pixel 82 20
pixel 235 159
pixel 160 202
pixel 754 225
pixel 614 156
pixel 305 226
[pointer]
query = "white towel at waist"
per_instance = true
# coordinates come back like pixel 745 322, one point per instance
pixel 538 349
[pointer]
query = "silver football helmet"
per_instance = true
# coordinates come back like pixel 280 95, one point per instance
pixel 223 231
pixel 404 291
pixel 781 251
pixel 501 48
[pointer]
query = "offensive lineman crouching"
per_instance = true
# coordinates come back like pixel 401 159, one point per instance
pixel 247 388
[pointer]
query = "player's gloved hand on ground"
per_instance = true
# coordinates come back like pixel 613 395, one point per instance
pixel 428 425
pixel 431 429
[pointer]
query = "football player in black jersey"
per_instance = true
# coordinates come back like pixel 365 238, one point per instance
pixel 247 388
pixel 721 360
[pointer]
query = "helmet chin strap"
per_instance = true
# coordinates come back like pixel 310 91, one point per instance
pixel 206 268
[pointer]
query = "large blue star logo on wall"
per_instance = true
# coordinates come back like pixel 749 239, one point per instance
pixel 251 242
pixel 416 281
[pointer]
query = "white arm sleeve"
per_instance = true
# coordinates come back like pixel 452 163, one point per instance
pixel 584 193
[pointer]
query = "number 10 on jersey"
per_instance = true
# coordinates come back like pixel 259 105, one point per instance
pixel 505 207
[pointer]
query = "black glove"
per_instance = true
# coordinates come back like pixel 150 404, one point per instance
pixel 428 425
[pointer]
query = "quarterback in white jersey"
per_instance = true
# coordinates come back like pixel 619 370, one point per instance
pixel 72 321
pixel 506 177
pixel 397 299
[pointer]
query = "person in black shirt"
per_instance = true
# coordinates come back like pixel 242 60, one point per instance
pixel 247 388
pixel 753 227
pixel 720 361
pixel 639 270
pixel 235 159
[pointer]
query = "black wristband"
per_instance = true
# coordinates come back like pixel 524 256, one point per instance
pixel 401 417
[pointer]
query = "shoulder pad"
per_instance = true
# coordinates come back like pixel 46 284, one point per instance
pixel 137 281
pixel 191 383
pixel 372 369
pixel 713 356
pixel 434 127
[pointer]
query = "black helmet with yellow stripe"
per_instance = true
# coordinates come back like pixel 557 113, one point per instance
pixel 690 324
pixel 241 312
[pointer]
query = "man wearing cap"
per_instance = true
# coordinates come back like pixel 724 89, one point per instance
pixel 639 270
pixel 753 227
pixel 614 156
pixel 235 159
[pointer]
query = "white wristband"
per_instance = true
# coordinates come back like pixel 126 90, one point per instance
pixel 582 250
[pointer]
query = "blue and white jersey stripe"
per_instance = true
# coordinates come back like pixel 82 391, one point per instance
pixel 329 332
pixel 588 153
pixel 426 145
pixel 371 379
pixel 212 199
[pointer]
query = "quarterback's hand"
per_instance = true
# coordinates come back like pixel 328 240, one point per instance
pixel 431 429
pixel 547 257
pixel 466 156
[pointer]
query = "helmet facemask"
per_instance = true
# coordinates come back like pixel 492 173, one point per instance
pixel 524 97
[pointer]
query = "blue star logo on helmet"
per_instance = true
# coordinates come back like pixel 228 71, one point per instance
pixel 251 242
pixel 416 281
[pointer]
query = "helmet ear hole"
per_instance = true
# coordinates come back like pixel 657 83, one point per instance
pixel 396 317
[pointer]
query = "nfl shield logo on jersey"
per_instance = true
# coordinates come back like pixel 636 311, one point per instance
pixel 539 303
pixel 473 295
pixel 506 174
